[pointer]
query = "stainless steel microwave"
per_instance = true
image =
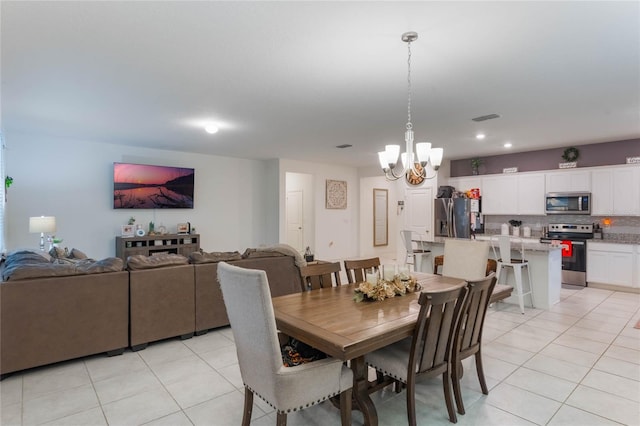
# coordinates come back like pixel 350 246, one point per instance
pixel 568 203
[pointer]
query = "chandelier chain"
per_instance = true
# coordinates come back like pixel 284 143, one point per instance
pixel 409 124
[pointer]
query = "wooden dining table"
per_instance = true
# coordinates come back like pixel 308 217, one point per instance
pixel 330 320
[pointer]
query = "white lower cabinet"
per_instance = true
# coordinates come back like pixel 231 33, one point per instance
pixel 610 263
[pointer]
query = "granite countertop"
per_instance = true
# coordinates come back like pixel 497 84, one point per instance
pixel 532 244
pixel 618 239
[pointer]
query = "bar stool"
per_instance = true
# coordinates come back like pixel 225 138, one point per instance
pixel 415 255
pixel 517 265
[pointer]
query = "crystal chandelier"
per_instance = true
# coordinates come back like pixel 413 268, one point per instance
pixel 413 161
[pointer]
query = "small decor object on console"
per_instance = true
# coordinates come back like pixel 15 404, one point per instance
pixel 128 230
pixel 183 228
pixel 308 256
pixel 139 231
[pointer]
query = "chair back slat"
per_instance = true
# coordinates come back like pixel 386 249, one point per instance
pixel 437 321
pixel 320 275
pixel 355 269
pixel 474 313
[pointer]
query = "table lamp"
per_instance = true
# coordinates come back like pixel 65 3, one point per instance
pixel 42 224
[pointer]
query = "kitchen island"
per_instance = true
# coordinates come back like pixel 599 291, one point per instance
pixel 545 262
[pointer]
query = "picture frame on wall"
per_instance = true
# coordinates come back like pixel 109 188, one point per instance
pixel 127 230
pixel 336 194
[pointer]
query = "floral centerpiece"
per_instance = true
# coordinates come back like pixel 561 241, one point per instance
pixel 384 289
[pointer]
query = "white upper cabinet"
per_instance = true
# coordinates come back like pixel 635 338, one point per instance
pixel 531 189
pixel 499 194
pixel 513 194
pixel 616 191
pixel 568 181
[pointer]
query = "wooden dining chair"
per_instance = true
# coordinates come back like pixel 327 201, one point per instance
pixel 248 300
pixel 426 354
pixel 355 269
pixel 468 340
pixel 320 275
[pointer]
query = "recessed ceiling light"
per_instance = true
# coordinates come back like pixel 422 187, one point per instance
pixel 480 136
pixel 508 145
pixel 211 129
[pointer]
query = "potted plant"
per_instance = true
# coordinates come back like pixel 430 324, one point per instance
pixel 475 165
pixel 516 227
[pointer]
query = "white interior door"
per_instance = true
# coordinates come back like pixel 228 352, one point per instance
pixel 295 229
pixel 419 208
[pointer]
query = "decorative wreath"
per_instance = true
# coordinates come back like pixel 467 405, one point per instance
pixel 571 154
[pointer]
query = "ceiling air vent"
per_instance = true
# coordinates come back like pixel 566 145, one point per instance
pixel 346 145
pixel 486 117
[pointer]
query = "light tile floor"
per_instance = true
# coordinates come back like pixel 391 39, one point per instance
pixel 576 364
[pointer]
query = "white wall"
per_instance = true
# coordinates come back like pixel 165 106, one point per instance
pixel 234 201
pixel 367 249
pixel 336 231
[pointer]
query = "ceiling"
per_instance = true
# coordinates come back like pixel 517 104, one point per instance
pixel 295 79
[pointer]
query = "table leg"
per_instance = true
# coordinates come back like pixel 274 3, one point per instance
pixel 361 392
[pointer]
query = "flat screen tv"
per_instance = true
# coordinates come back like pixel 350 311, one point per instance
pixel 142 186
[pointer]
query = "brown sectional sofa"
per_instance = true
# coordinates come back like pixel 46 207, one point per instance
pixel 282 273
pixel 58 317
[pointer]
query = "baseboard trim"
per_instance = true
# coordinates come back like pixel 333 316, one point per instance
pixel 614 287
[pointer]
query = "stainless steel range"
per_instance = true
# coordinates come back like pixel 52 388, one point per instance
pixel 574 250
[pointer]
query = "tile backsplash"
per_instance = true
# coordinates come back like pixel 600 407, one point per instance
pixel 622 228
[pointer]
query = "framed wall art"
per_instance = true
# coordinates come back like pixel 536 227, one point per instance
pixel 336 194
pixel 380 217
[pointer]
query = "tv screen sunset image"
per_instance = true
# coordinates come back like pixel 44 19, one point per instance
pixel 141 186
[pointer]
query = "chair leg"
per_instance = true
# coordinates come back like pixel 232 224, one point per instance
pixel 281 419
pixel 530 285
pixel 345 407
pixel 480 370
pixel 248 406
pixel 411 402
pixel 448 399
pixel 455 378
pixel 517 271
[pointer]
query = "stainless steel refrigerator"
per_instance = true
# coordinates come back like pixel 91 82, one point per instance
pixel 458 217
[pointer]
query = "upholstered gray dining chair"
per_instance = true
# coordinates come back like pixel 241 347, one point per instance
pixel 248 300
pixel 468 340
pixel 428 353
pixel 465 259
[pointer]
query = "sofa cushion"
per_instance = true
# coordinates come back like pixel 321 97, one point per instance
pixel 216 256
pixel 14 270
pixel 252 253
pixel 22 257
pixel 139 261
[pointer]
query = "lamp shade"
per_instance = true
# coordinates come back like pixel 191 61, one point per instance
pixel 41 224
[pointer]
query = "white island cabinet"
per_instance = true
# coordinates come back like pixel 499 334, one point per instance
pixel 609 263
pixel 545 262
